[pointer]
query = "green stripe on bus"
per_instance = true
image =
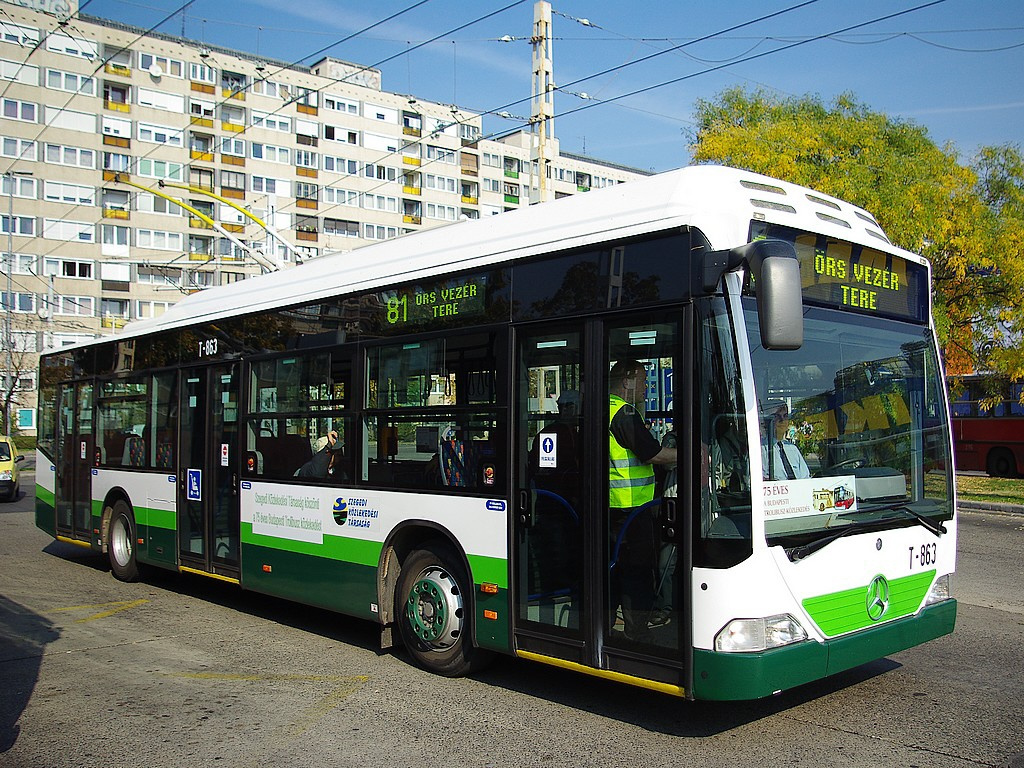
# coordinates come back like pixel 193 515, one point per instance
pixel 846 611
pixel 493 570
pixel 160 518
pixel 45 496
pixel 356 551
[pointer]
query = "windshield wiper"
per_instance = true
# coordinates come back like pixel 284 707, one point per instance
pixel 799 553
pixel 935 527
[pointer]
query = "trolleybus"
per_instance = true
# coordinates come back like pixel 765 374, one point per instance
pixel 460 376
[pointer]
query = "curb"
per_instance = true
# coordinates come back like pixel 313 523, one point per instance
pixel 985 506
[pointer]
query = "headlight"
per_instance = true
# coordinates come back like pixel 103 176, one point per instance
pixel 940 590
pixel 5 475
pixel 749 635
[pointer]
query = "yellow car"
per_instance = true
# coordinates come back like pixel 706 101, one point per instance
pixel 9 459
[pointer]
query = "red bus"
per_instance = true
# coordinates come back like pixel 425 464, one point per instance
pixel 988 427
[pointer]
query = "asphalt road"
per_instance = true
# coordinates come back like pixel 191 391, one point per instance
pixel 182 671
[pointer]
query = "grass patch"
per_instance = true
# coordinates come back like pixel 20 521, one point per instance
pixel 998 490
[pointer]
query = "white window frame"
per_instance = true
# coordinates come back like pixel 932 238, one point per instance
pixel 339 196
pixel 159 240
pixel 271 122
pixel 160 134
pixel 18 148
pixel 19 72
pixel 339 104
pixel 65 192
pixel 270 153
pixel 229 145
pixel 168 66
pixel 72 269
pixel 26 37
pixel 25 111
pixel 69 231
pixel 19 186
pixel 61 42
pixel 70 82
pixel 160 169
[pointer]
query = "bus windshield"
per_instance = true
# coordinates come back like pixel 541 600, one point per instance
pixel 853 427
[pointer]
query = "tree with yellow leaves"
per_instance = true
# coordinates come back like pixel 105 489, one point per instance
pixel 968 220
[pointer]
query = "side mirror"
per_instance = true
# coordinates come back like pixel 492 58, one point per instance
pixel 776 277
pixel 19 457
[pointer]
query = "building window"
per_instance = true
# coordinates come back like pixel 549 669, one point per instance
pixel 440 154
pixel 158 240
pixel 201 73
pixel 70 82
pixel 24 111
pixel 201 109
pixel 82 270
pixel 161 169
pixel 378 232
pixel 338 196
pixel 71 231
pixel 270 153
pixel 158 134
pixel 112 161
pixel 19 149
pixel 232 180
pixel 271 122
pixel 341 227
pixel 306 191
pixel 62 192
pixel 233 147
pixel 20 225
pixel 306 159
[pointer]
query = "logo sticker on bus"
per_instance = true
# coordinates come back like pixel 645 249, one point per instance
pixel 495 505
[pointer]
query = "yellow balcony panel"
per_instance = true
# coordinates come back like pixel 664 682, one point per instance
pixel 199 256
pixel 469 200
pixel 231 93
pixel 115 213
pixel 202 87
pixel 116 175
pixel 411 131
pixel 303 203
pixel 411 190
pixel 196 154
pixel 116 106
pixel 305 109
pixel 232 160
pixel 410 160
pixel 114 322
pixel 407 219
pixel 197 223
pixel 117 69
pixel 303 235
pixel 233 227
pixel 203 122
pixel 233 127
pixel 309 173
pixel 469 171
pixel 202 185
pixel 234 194
pixel 117 141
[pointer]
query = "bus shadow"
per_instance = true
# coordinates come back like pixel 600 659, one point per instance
pixel 658 712
pixel 24 636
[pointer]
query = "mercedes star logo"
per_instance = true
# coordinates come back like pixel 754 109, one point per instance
pixel 878 598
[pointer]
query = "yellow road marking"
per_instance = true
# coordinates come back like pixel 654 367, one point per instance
pixel 119 605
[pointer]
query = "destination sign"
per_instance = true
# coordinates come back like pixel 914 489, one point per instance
pixel 855 277
pixel 432 303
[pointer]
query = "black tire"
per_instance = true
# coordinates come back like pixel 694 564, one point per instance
pixel 433 611
pixel 121 543
pixel 1001 463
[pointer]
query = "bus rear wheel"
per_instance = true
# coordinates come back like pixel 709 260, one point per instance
pixel 121 543
pixel 433 611
pixel 1001 463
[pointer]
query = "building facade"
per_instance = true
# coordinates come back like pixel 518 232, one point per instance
pixel 141 167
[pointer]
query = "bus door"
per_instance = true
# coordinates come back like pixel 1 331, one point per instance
pixel 585 572
pixel 208 513
pixel 74 461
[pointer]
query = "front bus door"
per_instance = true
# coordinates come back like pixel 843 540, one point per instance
pixel 581 566
pixel 74 461
pixel 208 513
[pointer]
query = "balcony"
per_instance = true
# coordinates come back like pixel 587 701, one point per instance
pixel 117 141
pixel 116 106
pixel 309 173
pixel 232 160
pixel 110 321
pixel 234 194
pixel 512 199
pixel 117 69
pixel 306 234
pixel 410 160
pixel 115 213
pixel 236 228
pixel 233 93
pixel 412 190
pixel 232 127
pixel 304 203
pixel 116 176
pixel 204 122
pixel 305 109
pixel 202 87
pixel 407 219
pixel 198 154
pixel 410 131
pixel 470 200
pixel 197 223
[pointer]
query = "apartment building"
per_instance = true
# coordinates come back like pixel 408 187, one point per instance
pixel 141 167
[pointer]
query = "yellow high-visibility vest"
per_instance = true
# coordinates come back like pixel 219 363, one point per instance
pixel 630 481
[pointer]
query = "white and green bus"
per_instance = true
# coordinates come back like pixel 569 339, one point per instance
pixel 461 378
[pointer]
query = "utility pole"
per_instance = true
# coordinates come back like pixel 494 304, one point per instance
pixel 542 120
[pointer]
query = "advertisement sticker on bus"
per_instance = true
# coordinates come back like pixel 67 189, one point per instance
pixel 809 496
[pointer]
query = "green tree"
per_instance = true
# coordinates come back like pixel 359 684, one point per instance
pixel 968 220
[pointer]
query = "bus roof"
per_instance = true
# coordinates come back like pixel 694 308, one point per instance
pixel 720 201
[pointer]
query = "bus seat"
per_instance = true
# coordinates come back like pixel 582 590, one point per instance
pixel 134 454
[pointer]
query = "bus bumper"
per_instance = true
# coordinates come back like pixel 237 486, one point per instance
pixel 736 676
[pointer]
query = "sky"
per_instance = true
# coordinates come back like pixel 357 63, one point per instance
pixel 952 66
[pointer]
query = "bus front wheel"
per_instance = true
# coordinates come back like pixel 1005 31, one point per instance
pixel 433 607
pixel 121 543
pixel 1001 463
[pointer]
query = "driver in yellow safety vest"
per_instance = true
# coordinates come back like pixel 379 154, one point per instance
pixel 632 452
